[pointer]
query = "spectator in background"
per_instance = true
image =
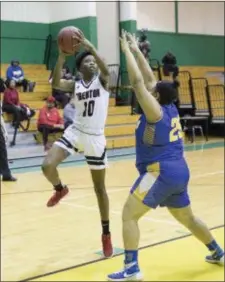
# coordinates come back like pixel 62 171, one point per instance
pixel 4 165
pixel 12 105
pixel 49 121
pixel 170 65
pixel 62 97
pixel 15 72
pixel 68 114
pixel 78 76
pixel 65 74
pixel 2 85
pixel 144 45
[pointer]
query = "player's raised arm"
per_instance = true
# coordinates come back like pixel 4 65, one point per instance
pixel 143 64
pixel 57 82
pixel 104 75
pixel 149 104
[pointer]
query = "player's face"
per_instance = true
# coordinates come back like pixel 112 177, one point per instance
pixel 89 65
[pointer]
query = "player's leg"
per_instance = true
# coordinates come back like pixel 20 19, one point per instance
pixel 95 154
pixel 133 210
pixel 60 150
pixel 199 229
pixel 98 178
pixel 49 167
pixel 147 192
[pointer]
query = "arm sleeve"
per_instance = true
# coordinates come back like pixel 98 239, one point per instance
pixel 9 73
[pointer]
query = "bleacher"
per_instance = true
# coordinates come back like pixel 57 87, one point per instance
pixel 120 124
pixel 205 95
pixel 202 92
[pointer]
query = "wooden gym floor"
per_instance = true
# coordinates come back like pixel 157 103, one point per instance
pixel 36 240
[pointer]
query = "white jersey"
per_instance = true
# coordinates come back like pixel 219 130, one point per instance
pixel 91 106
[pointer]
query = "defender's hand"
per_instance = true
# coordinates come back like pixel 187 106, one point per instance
pixel 133 42
pixel 123 41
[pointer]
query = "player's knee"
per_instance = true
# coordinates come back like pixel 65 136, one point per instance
pixel 47 166
pixel 127 213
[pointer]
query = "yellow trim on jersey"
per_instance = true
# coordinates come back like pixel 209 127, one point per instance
pixel 138 195
pixel 153 167
pixel 145 185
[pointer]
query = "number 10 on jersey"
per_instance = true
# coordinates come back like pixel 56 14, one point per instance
pixel 89 108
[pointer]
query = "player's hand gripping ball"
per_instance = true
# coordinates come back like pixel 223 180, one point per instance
pixel 69 39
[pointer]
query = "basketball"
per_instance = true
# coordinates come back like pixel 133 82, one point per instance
pixel 69 39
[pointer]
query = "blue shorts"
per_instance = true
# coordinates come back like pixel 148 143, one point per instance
pixel 166 187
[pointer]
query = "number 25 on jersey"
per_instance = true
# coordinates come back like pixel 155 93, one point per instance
pixel 176 131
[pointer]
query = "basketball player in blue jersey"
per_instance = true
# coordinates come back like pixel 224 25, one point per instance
pixel 164 174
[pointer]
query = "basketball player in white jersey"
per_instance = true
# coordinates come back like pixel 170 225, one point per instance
pixel 86 134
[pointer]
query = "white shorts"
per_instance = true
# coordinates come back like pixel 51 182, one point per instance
pixel 93 146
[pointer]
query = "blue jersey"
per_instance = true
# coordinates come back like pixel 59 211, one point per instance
pixel 159 142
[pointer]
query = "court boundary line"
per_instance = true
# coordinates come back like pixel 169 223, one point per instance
pixel 117 186
pixel 117 255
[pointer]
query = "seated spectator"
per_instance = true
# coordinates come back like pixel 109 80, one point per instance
pixel 49 121
pixel 78 76
pixel 170 65
pixel 12 105
pixel 61 96
pixel 69 113
pixel 2 85
pixel 144 45
pixel 15 72
pixel 65 74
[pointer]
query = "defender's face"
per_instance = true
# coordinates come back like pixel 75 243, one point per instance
pixel 89 65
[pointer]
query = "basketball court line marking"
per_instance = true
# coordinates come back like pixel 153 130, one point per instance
pixel 101 259
pixel 125 187
pixel 119 213
pixel 111 191
pixel 122 189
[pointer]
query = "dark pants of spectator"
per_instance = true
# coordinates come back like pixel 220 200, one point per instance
pixel 171 68
pixel 23 83
pixel 46 130
pixel 4 165
pixel 12 109
pixel 60 97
